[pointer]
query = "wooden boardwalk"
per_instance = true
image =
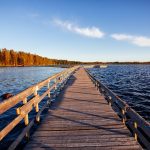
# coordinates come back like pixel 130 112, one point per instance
pixel 81 119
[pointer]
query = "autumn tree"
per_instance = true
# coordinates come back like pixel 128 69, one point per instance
pixel 13 58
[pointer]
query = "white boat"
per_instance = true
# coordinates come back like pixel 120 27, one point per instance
pixel 103 66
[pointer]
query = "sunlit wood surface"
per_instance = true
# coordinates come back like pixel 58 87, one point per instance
pixel 81 119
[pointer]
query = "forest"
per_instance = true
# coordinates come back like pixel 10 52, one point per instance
pixel 20 58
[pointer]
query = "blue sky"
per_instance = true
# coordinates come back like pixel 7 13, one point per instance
pixel 85 30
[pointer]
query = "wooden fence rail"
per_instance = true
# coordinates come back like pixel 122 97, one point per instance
pixel 30 98
pixel 139 127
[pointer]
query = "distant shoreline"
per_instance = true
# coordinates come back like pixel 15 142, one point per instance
pixel 61 66
pixel 67 66
pixel 11 58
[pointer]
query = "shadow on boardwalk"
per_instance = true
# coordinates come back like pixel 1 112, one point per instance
pixel 80 118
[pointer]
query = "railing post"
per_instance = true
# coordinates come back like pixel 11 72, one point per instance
pixel 48 86
pixel 97 85
pixel 124 116
pixel 18 111
pixel 60 82
pixel 49 94
pixel 56 86
pixel 63 79
pixel 36 105
pixel 36 90
pixel 26 119
pixel 109 100
pixel 100 89
pixel 135 134
pixel 55 83
pixel 25 101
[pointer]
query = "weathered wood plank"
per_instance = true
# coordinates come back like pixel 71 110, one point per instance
pixel 35 147
pixel 87 133
pixel 80 145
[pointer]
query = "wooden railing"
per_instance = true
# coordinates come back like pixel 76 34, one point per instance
pixel 138 126
pixel 29 99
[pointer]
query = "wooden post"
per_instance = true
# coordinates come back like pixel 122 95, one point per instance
pixel 36 90
pixel 25 101
pixel 97 85
pixel 56 87
pixel 109 100
pixel 65 77
pixel 123 119
pixel 55 83
pixel 18 111
pixel 135 134
pixel 62 81
pixel 26 119
pixel 100 89
pixel 49 94
pixel 48 86
pixel 37 105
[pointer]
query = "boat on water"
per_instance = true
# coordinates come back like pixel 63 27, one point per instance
pixel 103 66
pixel 100 66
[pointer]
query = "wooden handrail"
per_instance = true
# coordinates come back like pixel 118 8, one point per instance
pixel 12 101
pixel 30 99
pixel 139 127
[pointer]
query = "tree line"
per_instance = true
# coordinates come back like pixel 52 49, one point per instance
pixel 20 58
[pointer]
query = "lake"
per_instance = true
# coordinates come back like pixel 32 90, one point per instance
pixel 16 79
pixel 129 82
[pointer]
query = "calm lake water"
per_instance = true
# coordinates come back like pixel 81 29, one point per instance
pixel 14 80
pixel 129 82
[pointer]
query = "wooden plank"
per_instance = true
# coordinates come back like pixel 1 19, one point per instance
pixel 82 119
pixel 46 147
pixel 81 133
pixel 83 139
pixel 86 144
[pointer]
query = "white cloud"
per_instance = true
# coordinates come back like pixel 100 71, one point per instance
pixel 92 32
pixel 137 40
pixel 121 37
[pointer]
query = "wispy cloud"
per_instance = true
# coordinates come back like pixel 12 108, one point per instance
pixel 137 40
pixel 92 32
